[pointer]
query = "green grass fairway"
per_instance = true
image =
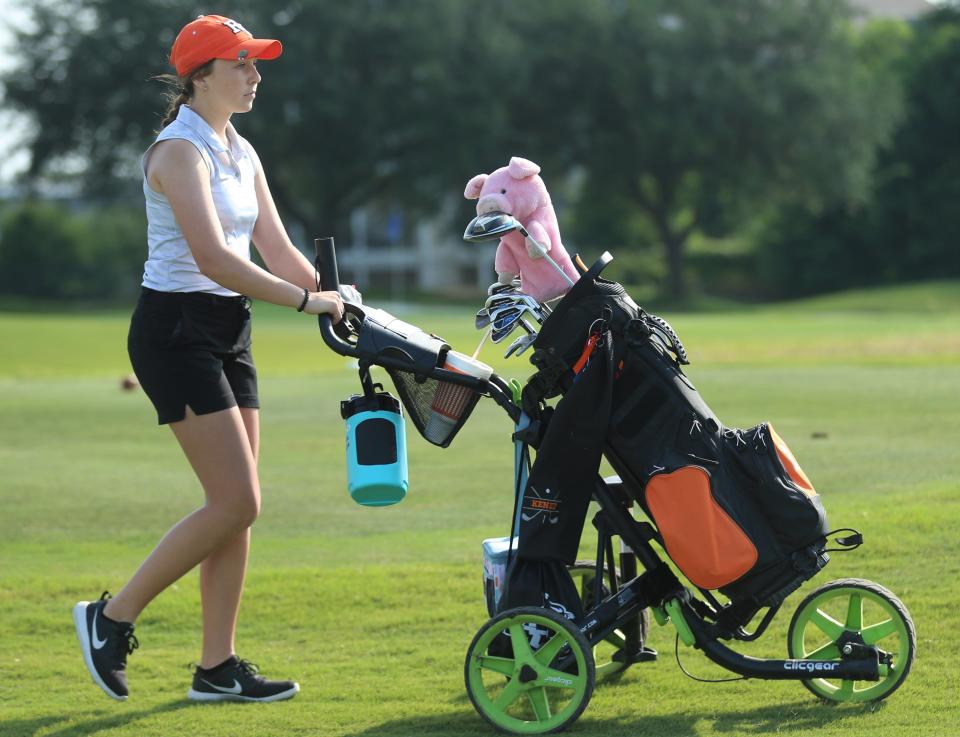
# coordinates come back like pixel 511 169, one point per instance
pixel 372 610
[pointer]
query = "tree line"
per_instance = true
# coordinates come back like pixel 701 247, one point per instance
pixel 758 148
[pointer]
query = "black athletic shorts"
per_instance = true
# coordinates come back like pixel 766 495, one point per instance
pixel 192 349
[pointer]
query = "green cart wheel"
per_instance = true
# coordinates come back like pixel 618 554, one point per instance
pixel 583 574
pixel 854 611
pixel 529 671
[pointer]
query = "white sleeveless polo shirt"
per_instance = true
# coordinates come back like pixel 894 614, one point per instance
pixel 170 266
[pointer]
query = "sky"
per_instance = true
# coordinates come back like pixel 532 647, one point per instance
pixel 13 127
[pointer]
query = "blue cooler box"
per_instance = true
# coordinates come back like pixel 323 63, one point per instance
pixel 495 552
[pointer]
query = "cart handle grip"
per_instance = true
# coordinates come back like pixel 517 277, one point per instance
pixel 328 280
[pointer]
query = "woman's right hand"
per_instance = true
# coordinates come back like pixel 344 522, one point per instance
pixel 325 303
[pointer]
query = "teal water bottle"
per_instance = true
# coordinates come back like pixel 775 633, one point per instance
pixel 376 449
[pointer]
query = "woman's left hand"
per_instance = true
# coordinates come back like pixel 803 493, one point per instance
pixel 325 303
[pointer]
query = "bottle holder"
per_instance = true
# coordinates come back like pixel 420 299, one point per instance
pixel 376 449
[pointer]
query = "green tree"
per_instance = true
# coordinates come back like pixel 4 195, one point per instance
pixel 81 74
pixel 36 251
pixel 705 113
pixel 908 228
pixel 697 114
pixel 917 194
pixel 370 99
pixel 381 103
pixel 51 251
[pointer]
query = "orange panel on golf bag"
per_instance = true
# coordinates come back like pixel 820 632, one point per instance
pixel 699 535
pixel 791 466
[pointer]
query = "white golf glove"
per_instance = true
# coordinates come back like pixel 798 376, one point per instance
pixel 350 293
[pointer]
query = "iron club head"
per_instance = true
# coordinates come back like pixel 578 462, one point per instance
pixel 498 287
pixel 515 299
pixel 505 321
pixel 508 325
pixel 482 319
pixel 520 344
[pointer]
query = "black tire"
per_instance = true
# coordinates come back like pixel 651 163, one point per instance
pixel 899 623
pixel 607 668
pixel 586 570
pixel 586 593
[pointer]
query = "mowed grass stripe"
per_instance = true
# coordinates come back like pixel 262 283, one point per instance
pixel 910 326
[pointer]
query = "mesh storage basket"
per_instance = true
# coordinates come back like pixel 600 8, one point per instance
pixel 438 408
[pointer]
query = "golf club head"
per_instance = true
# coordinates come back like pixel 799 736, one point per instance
pixel 482 319
pixel 489 226
pixel 518 299
pixel 498 287
pixel 498 301
pixel 504 321
pixel 520 344
pixel 530 304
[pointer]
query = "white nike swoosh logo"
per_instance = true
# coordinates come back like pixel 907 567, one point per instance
pixel 97 642
pixel 233 689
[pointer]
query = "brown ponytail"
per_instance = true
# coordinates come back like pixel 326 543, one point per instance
pixel 179 91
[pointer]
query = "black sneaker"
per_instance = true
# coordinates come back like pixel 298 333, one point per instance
pixel 237 680
pixel 105 645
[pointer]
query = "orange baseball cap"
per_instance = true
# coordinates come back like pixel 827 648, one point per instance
pixel 215 37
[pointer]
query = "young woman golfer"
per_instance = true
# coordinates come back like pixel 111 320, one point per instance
pixel 207 200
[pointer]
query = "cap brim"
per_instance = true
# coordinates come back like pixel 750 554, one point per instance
pixel 256 48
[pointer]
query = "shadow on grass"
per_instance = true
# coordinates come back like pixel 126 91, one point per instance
pixel 80 726
pixel 799 717
pixel 795 718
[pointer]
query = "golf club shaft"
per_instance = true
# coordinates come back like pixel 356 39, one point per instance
pixel 543 252
pixel 482 341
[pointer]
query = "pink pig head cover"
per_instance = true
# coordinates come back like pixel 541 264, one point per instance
pixel 518 190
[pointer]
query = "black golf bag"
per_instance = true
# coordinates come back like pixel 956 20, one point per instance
pixel 732 507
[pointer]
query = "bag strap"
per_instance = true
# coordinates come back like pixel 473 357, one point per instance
pixel 850 542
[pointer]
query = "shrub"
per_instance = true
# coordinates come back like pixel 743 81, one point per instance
pixel 51 251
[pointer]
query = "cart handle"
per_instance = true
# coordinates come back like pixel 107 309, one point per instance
pixel 328 280
pixel 335 336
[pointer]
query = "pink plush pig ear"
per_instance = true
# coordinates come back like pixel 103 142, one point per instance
pixel 472 192
pixel 522 168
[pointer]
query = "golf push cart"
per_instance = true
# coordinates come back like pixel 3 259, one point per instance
pixel 731 508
